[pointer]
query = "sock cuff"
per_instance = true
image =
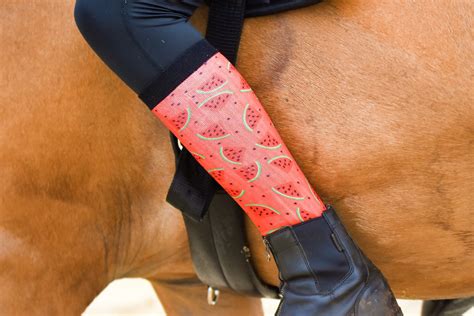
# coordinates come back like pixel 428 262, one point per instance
pixel 185 65
pixel 218 118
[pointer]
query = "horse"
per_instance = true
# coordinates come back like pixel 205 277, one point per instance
pixel 374 100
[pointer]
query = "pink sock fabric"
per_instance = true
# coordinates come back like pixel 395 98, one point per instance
pixel 218 118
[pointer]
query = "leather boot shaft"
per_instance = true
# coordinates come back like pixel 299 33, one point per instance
pixel 323 272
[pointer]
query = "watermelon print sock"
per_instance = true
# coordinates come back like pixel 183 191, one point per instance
pixel 217 117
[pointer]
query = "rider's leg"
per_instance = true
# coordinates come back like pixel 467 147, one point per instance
pixel 137 39
pixel 213 112
pixel 205 102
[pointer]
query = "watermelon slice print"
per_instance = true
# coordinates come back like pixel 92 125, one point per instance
pixel 303 215
pixel 212 85
pixel 216 115
pixel 269 142
pixel 281 162
pixel 233 155
pixel 262 209
pixel 236 194
pixel 251 172
pixel 217 173
pixel 181 120
pixel 217 101
pixel 230 67
pixel 251 117
pixel 213 132
pixel 244 86
pixel 198 156
pixel 288 190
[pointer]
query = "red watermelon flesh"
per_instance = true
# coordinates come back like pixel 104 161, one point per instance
pixel 213 132
pixel 288 190
pixel 232 154
pixel 282 162
pixel 251 117
pixel 244 86
pixel 213 83
pixel 303 215
pixel 217 102
pixel 269 142
pixel 262 210
pixel 198 156
pixel 236 193
pixel 181 120
pixel 217 174
pixel 251 172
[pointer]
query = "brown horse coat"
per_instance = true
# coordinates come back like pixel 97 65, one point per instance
pixel 84 168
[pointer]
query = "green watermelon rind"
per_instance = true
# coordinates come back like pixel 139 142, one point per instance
pixel 265 206
pixel 272 231
pixel 287 196
pixel 244 118
pixel 212 138
pixel 188 119
pixel 298 213
pixel 277 157
pixel 214 169
pixel 259 171
pixel 221 152
pixel 238 196
pixel 242 82
pixel 214 96
pixel 269 147
pixel 198 154
pixel 213 90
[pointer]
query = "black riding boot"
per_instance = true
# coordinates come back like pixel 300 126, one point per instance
pixel 324 273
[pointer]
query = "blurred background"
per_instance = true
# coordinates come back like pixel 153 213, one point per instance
pixel 137 297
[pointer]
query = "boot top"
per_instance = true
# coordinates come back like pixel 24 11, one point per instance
pixel 323 272
pixel 311 248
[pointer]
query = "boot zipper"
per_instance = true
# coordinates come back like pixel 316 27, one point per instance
pixel 282 288
pixel 282 295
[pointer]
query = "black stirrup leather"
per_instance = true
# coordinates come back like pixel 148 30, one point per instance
pixel 214 221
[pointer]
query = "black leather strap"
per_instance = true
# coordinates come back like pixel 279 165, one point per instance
pixel 213 220
pixel 224 26
pixel 192 189
pixel 218 248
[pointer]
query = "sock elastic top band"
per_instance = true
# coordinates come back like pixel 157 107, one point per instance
pixel 173 76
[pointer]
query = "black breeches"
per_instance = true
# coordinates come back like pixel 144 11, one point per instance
pixel 137 39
